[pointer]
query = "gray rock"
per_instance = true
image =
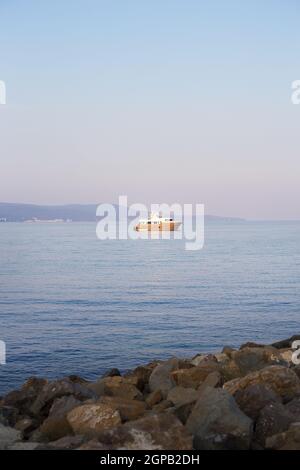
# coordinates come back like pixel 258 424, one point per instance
pixel 160 378
pixel 182 395
pixel 217 422
pixel 254 398
pixel 8 436
pixel 22 399
pixel 286 343
pixel 56 425
pixel 288 440
pixel 251 359
pixel 58 389
pixel 273 419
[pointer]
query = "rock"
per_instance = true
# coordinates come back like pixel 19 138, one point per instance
pixel 250 344
pixel 128 409
pixel 192 378
pixel 294 408
pixel 26 426
pixel 142 373
pixel 77 380
pixel 288 440
pixel 252 399
pixel 8 436
pixel 180 395
pixel 182 411
pixel 90 419
pixel 98 387
pixel 93 444
pixel 24 446
pixel 273 419
pixel 217 423
pixel 283 381
pixel 214 379
pixel 296 369
pixel 56 425
pixel 58 389
pixel 121 387
pixel 8 415
pixel 229 369
pixel 155 432
pixel 112 373
pixel 286 355
pixel 286 343
pixel 228 350
pixel 22 399
pixel 154 398
pixel 251 359
pixel 160 378
pixel 197 360
pixel 162 406
pixel 65 443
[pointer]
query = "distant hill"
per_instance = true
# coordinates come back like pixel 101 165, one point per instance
pixel 14 212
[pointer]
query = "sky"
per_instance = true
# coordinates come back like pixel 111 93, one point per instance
pixel 164 101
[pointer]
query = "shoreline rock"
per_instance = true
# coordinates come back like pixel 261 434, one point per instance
pixel 246 398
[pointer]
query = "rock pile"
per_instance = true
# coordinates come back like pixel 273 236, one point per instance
pixel 236 399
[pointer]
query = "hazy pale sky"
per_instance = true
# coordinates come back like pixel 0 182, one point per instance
pixel 162 100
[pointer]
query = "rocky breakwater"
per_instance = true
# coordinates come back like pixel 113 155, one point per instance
pixel 247 398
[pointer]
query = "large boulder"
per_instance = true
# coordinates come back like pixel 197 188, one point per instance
pixel 273 419
pixel 252 399
pixel 22 399
pixel 195 376
pixel 283 381
pixel 217 422
pixel 154 432
pixel 160 378
pixel 288 440
pixel 91 419
pixel 58 389
pixel 251 359
pixel 122 387
pixel 8 436
pixel 129 409
pixel 286 343
pixel 56 425
pixel 182 395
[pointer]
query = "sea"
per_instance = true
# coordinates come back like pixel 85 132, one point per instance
pixel 73 304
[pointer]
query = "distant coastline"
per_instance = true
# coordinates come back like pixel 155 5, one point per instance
pixel 17 212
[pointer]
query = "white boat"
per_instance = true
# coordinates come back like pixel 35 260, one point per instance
pixel 155 222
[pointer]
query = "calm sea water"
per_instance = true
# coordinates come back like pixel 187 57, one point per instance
pixel 70 303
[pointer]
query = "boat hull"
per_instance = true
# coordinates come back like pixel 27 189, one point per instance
pixel 161 227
